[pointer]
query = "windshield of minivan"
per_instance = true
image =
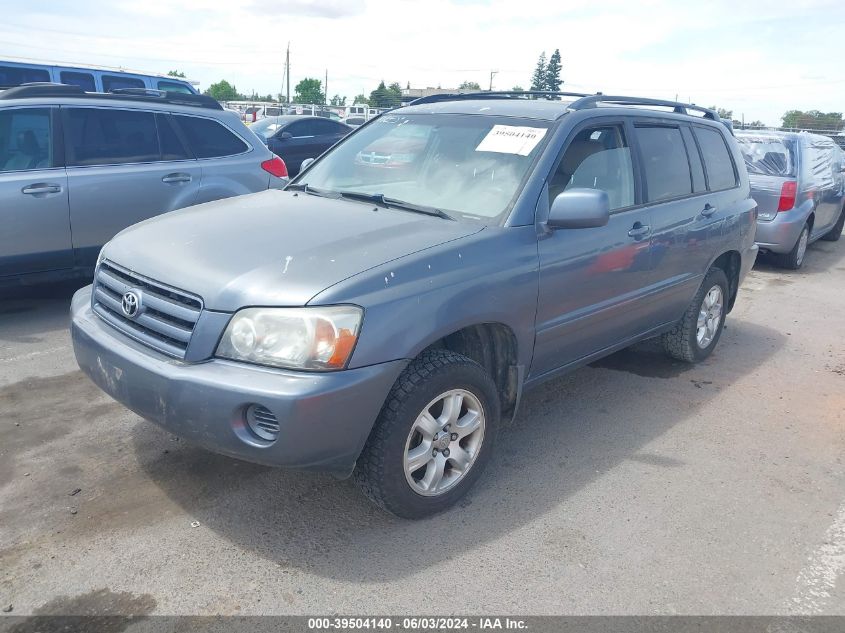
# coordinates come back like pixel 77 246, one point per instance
pixel 465 165
pixel 768 155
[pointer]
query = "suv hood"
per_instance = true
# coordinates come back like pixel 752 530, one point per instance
pixel 275 248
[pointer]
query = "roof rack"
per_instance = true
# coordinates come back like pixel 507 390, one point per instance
pixel 592 101
pixel 511 94
pixel 45 89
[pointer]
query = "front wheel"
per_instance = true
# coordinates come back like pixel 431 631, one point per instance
pixel 695 336
pixel 433 437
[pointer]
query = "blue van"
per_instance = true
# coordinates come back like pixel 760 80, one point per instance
pixel 90 79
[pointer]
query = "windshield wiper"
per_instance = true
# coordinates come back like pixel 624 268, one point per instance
pixel 395 203
pixel 311 190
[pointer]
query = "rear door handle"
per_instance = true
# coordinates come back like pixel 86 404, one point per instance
pixel 708 210
pixel 177 178
pixel 639 231
pixel 41 187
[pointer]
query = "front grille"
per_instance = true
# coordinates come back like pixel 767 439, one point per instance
pixel 166 316
pixel 263 422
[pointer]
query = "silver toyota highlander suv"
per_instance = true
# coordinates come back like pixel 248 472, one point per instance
pixel 76 168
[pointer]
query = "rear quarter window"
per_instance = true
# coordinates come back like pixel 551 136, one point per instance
pixel 717 159
pixel 209 138
pixel 15 76
pixel 112 82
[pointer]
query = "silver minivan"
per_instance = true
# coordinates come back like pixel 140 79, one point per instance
pixel 76 168
pixel 797 182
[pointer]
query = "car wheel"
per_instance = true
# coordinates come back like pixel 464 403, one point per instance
pixel 835 233
pixel 695 336
pixel 433 437
pixel 795 258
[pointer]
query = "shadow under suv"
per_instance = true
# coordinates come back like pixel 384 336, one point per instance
pixel 383 318
pixel 76 168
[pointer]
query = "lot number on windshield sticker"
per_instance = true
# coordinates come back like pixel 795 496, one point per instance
pixel 511 139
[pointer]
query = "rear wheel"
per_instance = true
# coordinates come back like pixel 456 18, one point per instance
pixel 695 336
pixel 433 437
pixel 835 233
pixel 795 258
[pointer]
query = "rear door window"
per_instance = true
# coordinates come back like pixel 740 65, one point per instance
pixel 209 138
pixel 665 162
pixel 15 76
pixel 112 82
pixel 717 159
pixel 25 139
pixel 83 80
pixel 302 129
pixel 100 136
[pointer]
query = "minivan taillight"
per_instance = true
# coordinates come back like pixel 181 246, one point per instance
pixel 275 166
pixel 787 195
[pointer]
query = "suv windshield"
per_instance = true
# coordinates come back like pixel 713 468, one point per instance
pixel 465 165
pixel 768 155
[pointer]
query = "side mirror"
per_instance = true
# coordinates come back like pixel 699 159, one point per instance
pixel 285 136
pixel 579 209
pixel 306 164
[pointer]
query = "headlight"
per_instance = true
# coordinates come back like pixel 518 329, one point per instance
pixel 318 338
pixel 102 254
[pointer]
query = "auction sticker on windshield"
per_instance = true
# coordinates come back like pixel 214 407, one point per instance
pixel 511 139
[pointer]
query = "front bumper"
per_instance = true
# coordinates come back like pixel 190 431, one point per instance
pixel 325 418
pixel 780 234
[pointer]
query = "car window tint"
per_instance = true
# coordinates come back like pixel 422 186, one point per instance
pixel 83 80
pixel 25 139
pixel 100 136
pixel 110 82
pixel 665 163
pixel 301 128
pixel 174 86
pixel 717 159
pixel 171 146
pixel 210 139
pixel 696 167
pixel 15 76
pixel 326 127
pixel 597 158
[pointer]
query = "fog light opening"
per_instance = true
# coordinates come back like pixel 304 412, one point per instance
pixel 262 422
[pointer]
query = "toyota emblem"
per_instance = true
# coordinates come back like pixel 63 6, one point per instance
pixel 130 304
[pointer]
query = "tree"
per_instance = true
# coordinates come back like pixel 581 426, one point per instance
pixel 386 96
pixel 223 91
pixel 538 79
pixel 813 120
pixel 175 73
pixel 309 90
pixel 361 99
pixel 337 100
pixel 469 85
pixel 553 80
pixel 517 89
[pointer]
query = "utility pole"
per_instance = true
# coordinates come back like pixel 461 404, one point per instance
pixel 326 88
pixel 493 73
pixel 287 67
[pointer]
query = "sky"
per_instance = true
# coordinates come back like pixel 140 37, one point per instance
pixel 756 58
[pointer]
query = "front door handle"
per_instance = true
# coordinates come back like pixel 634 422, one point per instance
pixel 41 187
pixel 639 231
pixel 176 178
pixel 708 210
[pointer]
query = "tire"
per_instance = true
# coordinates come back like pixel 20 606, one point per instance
pixel 386 471
pixel 682 342
pixel 835 233
pixel 794 259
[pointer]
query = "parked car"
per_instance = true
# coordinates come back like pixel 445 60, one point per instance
pixel 355 323
pixel 797 181
pixel 296 138
pixel 122 158
pixel 354 121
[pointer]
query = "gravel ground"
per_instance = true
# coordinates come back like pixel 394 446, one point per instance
pixel 637 485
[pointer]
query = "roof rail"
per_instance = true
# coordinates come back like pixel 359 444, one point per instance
pixel 592 101
pixel 511 94
pixel 123 94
